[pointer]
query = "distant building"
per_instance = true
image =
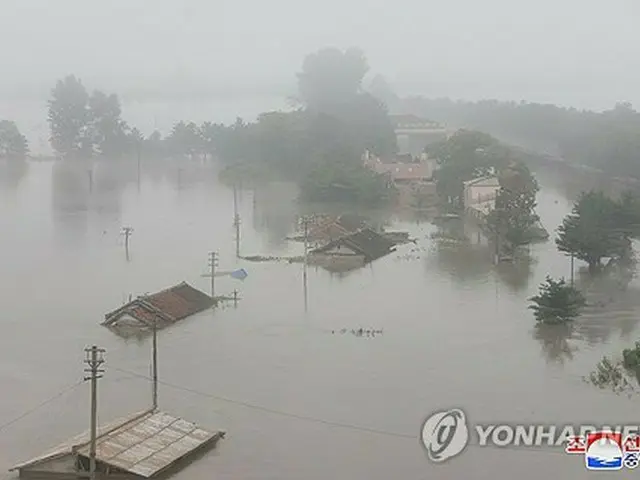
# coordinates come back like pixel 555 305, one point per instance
pixel 405 169
pixel 149 444
pixel 160 309
pixel 413 133
pixel 480 195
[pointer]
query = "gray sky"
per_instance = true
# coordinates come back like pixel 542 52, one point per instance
pixel 572 52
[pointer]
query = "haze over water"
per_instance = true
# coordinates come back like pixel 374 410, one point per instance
pixel 456 332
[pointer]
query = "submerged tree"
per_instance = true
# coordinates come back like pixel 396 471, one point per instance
pixel 69 118
pixel 13 145
pixel 466 155
pixel 556 302
pixel 611 375
pixel 597 227
pixel 514 217
pixel 107 130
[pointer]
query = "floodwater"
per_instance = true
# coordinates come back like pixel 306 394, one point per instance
pixel 299 398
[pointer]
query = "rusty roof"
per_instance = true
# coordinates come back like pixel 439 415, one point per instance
pixel 144 445
pixel 169 305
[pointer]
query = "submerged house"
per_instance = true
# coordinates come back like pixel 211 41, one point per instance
pixel 404 169
pixel 330 228
pixel 352 251
pixel 480 195
pixel 150 444
pixel 160 309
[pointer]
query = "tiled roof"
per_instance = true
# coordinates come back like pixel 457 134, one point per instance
pixel 180 301
pixel 170 305
pixel 365 242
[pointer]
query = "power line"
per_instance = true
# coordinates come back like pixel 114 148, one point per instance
pixel 329 422
pixel 39 406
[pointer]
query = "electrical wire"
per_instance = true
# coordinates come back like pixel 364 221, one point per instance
pixel 414 437
pixel 40 405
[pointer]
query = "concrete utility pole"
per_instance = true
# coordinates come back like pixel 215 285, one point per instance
pixel 213 263
pixel 127 231
pixel 305 224
pixel 236 220
pixel 94 360
pixel 154 365
pixel 138 157
pixel 572 257
pixel 90 175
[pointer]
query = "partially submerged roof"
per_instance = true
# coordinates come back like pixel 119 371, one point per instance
pixel 67 447
pixel 488 180
pixel 365 242
pixel 144 445
pixel 333 228
pixel 167 306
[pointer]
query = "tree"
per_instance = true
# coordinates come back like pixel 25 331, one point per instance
pixel 514 217
pixel 185 139
pixel 594 230
pixel 69 118
pixel 108 132
pixel 344 182
pixel 381 89
pixel 13 145
pixel 330 78
pixel 556 302
pixel 464 156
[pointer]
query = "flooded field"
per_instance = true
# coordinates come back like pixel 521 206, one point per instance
pixel 298 399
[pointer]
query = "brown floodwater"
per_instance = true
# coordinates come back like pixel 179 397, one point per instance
pixel 299 398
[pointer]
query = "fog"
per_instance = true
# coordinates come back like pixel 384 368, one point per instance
pixel 571 52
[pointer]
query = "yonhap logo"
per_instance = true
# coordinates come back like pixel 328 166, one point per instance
pixel 445 434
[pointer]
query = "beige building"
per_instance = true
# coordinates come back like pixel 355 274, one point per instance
pixel 416 170
pixel 480 195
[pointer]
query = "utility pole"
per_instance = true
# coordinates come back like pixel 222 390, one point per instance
pixel 127 231
pixel 236 220
pixel 213 263
pixel 90 174
pixel 154 364
pixel 138 157
pixel 305 223
pixel 94 360
pixel 572 268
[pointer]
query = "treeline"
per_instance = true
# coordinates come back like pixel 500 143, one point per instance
pixel 608 140
pixel 319 145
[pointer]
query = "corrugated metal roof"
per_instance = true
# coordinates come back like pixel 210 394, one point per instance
pixel 150 444
pixel 144 445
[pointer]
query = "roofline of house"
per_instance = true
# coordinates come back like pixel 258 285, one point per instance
pixel 476 180
pixel 115 314
pixel 72 448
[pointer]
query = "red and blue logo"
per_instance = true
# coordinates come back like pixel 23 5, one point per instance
pixel 606 450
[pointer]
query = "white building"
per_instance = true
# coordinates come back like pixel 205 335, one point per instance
pixel 480 195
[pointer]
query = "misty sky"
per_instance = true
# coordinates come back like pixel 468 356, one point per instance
pixel 572 52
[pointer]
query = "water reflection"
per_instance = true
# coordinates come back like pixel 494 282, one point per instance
pixel 12 173
pixel 70 200
pixel 610 309
pixel 554 340
pixel 517 274
pixel 461 249
pixel 275 212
